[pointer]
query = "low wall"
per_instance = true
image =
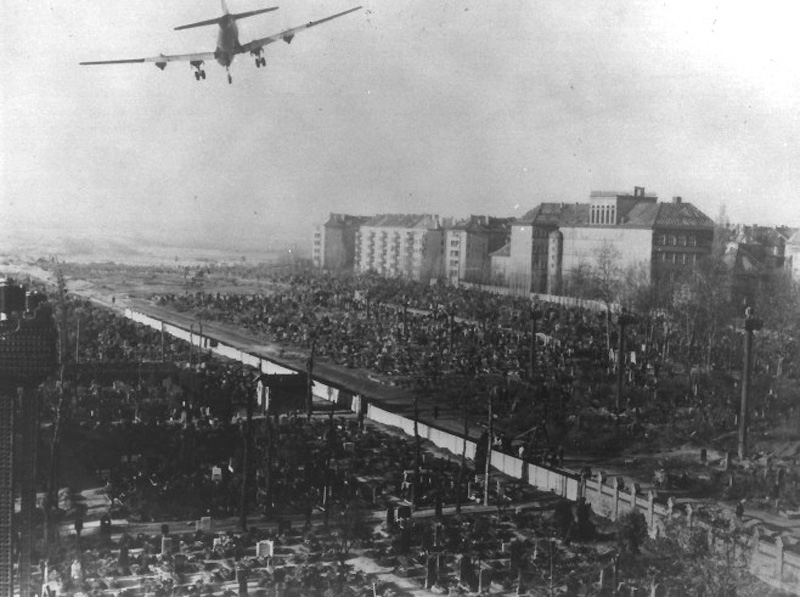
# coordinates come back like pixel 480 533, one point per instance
pixel 564 301
pixel 771 561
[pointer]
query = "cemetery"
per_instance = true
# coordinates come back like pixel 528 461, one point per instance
pixel 205 491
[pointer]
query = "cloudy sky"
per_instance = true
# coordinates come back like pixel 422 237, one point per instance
pixel 426 106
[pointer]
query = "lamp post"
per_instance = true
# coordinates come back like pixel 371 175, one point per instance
pixel 751 324
pixel 623 319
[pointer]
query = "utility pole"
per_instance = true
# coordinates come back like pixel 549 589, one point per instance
pixel 247 443
pixel 751 324
pixel 623 320
pixel 310 380
pixel 489 448
pixel 421 384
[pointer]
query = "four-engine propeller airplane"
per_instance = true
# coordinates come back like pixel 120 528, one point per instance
pixel 228 46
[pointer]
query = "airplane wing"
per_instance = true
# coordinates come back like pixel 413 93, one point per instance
pixel 289 34
pixel 160 60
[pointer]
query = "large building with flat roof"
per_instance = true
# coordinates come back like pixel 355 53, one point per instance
pixel 401 245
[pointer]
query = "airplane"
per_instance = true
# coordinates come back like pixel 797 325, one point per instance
pixel 228 46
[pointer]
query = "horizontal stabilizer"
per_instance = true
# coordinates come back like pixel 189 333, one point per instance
pixel 252 13
pixel 201 24
pixel 218 20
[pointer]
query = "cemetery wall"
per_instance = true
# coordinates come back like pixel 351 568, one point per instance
pixel 771 560
pixel 564 301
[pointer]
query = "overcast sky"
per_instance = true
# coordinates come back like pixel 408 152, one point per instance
pixel 412 106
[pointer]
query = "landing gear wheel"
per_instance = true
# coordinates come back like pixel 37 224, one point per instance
pixel 263 61
pixel 197 75
pixel 258 62
pixel 203 75
pixel 230 80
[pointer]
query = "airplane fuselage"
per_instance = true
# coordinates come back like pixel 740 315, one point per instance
pixel 227 41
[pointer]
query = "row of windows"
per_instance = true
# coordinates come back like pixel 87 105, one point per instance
pixel 675 240
pixel 684 258
pixel 603 214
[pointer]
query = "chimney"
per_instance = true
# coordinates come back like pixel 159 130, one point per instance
pixel 677 200
pixel 638 191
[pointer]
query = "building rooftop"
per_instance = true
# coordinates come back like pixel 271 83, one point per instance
pixel 678 215
pixel 504 251
pixel 480 224
pixel 645 214
pixel 546 214
pixel 424 221
pixel 342 220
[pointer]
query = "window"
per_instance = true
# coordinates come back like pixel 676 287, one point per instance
pixel 671 240
pixel 681 240
pixel 691 240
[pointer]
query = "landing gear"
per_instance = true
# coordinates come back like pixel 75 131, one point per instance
pixel 260 60
pixel 199 73
pixel 230 79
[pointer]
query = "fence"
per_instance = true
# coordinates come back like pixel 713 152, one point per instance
pixel 771 560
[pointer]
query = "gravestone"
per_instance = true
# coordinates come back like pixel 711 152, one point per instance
pixel 485 580
pixel 265 549
pixel 241 579
pixel 204 524
pixel 431 572
pixel 166 545
pixel 467 573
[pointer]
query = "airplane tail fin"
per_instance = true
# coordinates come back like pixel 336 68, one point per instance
pixel 218 20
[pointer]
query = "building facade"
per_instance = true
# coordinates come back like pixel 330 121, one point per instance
pixel 467 245
pixel 333 243
pixel 395 245
pixel 556 245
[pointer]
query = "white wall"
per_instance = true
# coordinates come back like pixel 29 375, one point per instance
pixel 583 245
